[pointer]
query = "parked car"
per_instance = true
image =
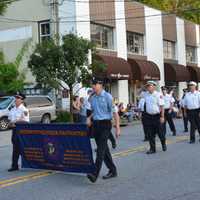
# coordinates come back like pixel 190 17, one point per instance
pixel 41 109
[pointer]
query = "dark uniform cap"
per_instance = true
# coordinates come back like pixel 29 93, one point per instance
pixel 185 90
pixel 96 80
pixel 20 96
pixel 163 88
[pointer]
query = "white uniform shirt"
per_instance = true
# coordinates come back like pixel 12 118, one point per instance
pixel 88 104
pixel 114 109
pixel 192 100
pixel 141 104
pixel 153 102
pixel 168 100
pixel 20 113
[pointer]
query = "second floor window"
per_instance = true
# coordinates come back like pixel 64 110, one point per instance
pixel 135 43
pixel 169 50
pixel 102 36
pixel 191 54
pixel 45 31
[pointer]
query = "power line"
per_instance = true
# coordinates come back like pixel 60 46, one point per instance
pixel 101 1
pixel 93 20
pixel 130 23
pixel 103 13
pixel 98 20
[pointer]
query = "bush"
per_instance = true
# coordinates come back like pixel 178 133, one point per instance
pixel 63 116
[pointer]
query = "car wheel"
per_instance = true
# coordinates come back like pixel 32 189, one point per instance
pixel 4 124
pixel 46 119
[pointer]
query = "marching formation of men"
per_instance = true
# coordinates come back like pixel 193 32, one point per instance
pixel 156 110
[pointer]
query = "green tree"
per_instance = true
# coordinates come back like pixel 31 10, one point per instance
pixel 76 68
pixel 188 9
pixel 11 79
pixel 4 4
pixel 45 63
pixel 68 62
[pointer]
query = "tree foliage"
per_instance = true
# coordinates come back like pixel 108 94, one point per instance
pixel 45 63
pixel 188 9
pixel 4 4
pixel 68 62
pixel 11 79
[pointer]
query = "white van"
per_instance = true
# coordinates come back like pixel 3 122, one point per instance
pixel 41 109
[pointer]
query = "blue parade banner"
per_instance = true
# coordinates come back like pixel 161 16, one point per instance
pixel 62 147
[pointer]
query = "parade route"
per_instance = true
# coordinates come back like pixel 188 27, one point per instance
pixel 37 175
pixel 174 174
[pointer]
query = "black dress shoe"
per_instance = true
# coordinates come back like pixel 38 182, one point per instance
pixel 174 133
pixel 12 169
pixel 110 175
pixel 164 147
pixel 186 130
pixel 92 178
pixel 192 142
pixel 151 152
pixel 114 145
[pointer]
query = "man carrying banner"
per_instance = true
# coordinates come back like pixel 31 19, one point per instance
pixel 17 114
pixel 102 111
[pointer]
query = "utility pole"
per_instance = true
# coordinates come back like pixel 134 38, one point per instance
pixel 55 19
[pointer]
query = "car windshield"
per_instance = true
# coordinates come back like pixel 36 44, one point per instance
pixel 4 102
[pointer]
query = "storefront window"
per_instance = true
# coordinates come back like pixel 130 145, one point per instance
pixel 135 43
pixel 169 50
pixel 102 36
pixel 191 54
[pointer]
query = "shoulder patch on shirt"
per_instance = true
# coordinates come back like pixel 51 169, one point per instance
pixel 26 113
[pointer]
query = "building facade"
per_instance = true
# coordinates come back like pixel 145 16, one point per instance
pixel 136 42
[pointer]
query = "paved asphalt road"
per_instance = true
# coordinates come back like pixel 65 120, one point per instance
pixel 173 175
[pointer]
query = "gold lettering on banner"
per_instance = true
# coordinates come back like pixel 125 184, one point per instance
pixel 53 132
pixel 75 155
pixel 73 151
pixel 76 163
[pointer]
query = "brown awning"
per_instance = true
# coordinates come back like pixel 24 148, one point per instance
pixel 144 70
pixel 117 68
pixel 194 73
pixel 176 73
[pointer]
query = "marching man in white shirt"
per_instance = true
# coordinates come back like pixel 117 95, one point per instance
pixel 17 114
pixel 154 118
pixel 168 107
pixel 192 109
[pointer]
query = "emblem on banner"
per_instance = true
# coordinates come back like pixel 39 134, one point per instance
pixel 50 148
pixel 52 151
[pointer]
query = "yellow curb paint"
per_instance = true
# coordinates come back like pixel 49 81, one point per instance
pixel 144 147
pixel 24 178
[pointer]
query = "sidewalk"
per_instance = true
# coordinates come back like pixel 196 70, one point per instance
pixel 5 138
